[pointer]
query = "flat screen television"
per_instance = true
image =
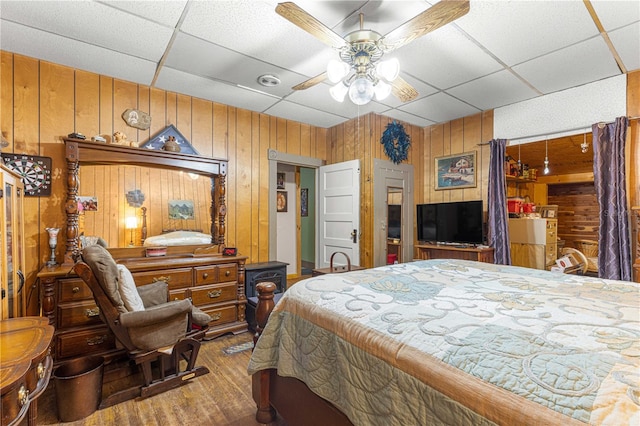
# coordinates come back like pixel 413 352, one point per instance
pixel 454 222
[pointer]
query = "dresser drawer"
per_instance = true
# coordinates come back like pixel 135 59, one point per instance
pixel 84 342
pixel 77 314
pixel 222 315
pixel 551 254
pixel 176 278
pixel 216 274
pixel 177 295
pixel 73 290
pixel 214 294
pixel 552 231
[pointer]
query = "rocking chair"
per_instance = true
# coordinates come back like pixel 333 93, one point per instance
pixel 157 331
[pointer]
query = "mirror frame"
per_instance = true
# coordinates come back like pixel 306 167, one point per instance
pixel 78 151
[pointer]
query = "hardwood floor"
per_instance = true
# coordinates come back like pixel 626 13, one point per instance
pixel 222 397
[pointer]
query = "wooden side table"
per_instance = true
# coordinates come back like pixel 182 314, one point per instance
pixel 25 366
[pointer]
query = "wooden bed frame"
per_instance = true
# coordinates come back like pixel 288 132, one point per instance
pixel 289 397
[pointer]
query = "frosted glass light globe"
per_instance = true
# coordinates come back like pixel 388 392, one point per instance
pixel 361 91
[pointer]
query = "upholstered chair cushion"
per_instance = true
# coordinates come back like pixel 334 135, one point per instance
pixel 157 326
pixel 106 272
pixel 199 317
pixel 128 291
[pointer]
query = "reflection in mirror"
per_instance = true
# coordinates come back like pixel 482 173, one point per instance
pixel 162 188
pixel 394 213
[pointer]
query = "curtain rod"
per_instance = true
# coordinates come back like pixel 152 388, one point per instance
pixel 561 131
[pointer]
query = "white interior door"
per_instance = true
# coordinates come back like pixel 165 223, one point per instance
pixel 339 213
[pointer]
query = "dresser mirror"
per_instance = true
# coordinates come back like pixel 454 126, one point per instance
pixel 124 195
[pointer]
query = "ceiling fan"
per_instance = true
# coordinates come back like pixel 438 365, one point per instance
pixel 361 72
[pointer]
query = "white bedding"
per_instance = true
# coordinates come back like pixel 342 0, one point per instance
pixel 178 238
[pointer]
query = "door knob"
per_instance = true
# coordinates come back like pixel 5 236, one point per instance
pixel 354 236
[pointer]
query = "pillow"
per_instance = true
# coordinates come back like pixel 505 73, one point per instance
pixel 128 291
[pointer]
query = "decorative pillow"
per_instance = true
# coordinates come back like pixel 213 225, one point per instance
pixel 128 291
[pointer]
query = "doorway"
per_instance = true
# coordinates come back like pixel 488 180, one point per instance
pixel 392 213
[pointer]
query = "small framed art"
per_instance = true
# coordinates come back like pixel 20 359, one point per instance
pixel 456 171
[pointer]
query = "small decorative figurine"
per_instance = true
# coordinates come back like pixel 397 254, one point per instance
pixel 120 138
pixel 171 145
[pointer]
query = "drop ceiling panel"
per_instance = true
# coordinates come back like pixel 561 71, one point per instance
pixel 166 13
pixel 408 118
pixel 303 114
pixel 626 41
pixel 615 14
pixel 437 106
pixel 573 66
pixel 75 54
pixel 495 90
pixel 422 88
pixel 114 29
pixel 445 58
pixel 197 56
pixel 516 31
pixel 199 87
pixel 382 17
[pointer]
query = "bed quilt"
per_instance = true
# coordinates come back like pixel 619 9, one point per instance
pixel 461 342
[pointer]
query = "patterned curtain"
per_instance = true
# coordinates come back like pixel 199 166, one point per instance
pixel 498 232
pixel 614 245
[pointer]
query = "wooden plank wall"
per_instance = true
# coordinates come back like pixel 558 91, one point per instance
pixel 360 139
pixel 578 217
pixel 42 102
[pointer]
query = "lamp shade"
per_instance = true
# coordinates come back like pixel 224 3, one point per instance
pixel 337 70
pixel 388 69
pixel 339 91
pixel 382 90
pixel 131 222
pixel 361 91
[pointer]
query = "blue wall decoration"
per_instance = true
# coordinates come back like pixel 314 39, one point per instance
pixel 158 141
pixel 396 142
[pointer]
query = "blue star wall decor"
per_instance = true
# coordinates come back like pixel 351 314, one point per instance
pixel 158 141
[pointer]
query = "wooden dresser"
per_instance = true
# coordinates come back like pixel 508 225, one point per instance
pixel 215 284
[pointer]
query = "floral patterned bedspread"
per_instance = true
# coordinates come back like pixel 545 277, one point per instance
pixel 460 342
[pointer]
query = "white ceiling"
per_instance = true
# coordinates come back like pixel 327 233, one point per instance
pixel 501 52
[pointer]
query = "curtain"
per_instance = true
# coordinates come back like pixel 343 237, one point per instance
pixel 614 245
pixel 498 229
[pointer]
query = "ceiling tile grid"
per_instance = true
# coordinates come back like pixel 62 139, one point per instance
pixel 500 53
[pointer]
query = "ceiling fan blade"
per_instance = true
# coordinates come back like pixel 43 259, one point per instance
pixel 302 19
pixel 403 90
pixel 311 82
pixel 431 19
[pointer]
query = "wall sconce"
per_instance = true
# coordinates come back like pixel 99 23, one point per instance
pixel 546 157
pixel 131 223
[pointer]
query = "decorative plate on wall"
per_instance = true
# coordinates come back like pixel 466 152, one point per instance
pixel 34 170
pixel 157 142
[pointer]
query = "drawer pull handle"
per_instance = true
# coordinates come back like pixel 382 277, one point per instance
pixel 90 313
pixel 205 275
pixel 98 340
pixel 165 279
pixel 214 294
pixel 40 371
pixel 75 289
pixel 23 395
pixel 216 316
pixel 226 274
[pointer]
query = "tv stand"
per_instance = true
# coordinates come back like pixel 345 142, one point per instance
pixel 455 251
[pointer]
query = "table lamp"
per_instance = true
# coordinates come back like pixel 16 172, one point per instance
pixel 131 223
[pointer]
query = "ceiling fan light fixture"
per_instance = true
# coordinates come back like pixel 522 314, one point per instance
pixel 382 90
pixel 361 91
pixel 337 70
pixel 339 91
pixel 389 69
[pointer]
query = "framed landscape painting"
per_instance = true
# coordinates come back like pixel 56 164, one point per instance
pixel 456 171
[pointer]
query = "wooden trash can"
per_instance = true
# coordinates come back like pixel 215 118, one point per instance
pixel 336 269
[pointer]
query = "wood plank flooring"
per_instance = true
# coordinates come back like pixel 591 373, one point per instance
pixel 222 397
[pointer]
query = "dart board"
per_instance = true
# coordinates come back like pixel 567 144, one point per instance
pixel 35 172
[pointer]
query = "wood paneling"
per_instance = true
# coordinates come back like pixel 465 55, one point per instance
pixel 43 102
pixel 578 217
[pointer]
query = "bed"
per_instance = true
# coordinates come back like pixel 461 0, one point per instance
pixel 450 342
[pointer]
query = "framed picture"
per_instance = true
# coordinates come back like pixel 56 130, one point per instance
pixel 549 212
pixel 282 201
pixel 456 171
pixel 280 181
pixel 88 204
pixel 304 202
pixel 181 209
